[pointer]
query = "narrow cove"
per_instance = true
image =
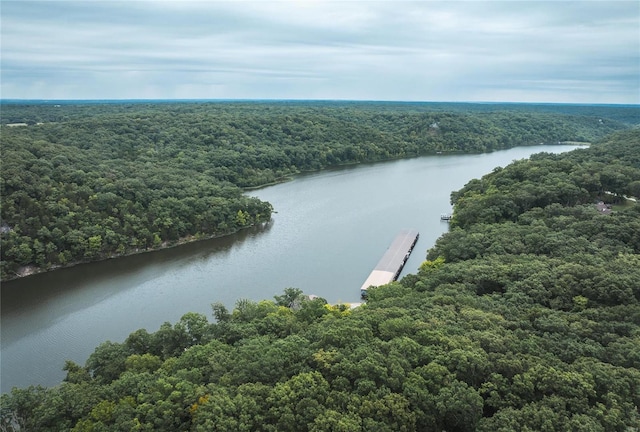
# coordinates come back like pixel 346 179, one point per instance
pixel 329 230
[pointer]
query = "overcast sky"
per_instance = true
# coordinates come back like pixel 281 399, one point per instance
pixel 515 51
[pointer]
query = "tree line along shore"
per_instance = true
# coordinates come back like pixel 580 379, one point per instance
pixel 525 316
pixel 89 181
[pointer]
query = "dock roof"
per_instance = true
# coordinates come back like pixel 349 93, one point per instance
pixel 393 259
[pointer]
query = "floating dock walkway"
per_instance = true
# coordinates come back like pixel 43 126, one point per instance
pixel 390 265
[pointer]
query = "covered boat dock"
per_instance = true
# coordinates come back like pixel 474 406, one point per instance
pixel 390 265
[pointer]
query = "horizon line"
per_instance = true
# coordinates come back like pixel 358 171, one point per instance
pixel 122 100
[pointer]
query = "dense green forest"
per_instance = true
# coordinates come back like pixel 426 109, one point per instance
pixel 89 181
pixel 525 316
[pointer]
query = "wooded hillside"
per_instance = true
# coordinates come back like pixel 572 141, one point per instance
pixel 526 316
pixel 85 182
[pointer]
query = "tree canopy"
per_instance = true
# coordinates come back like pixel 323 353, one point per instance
pixel 525 316
pixel 83 182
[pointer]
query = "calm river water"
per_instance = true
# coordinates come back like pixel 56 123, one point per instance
pixel 330 230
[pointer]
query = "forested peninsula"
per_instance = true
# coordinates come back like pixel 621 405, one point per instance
pixel 87 181
pixel 525 316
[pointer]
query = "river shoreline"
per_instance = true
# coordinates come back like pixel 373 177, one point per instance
pixel 30 270
pixel 326 236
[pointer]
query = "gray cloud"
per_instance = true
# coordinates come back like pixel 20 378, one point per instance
pixel 549 51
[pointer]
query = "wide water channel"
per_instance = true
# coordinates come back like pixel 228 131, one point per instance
pixel 330 230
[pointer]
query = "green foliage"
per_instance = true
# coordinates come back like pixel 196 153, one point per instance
pixel 526 322
pixel 290 297
pixel 86 182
